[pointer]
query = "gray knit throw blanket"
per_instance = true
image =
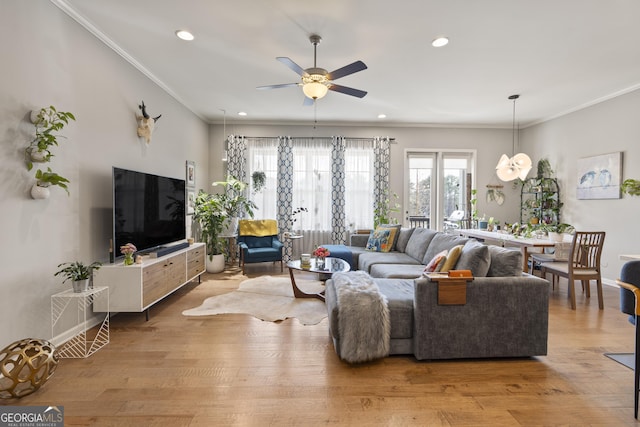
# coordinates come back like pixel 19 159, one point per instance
pixel 364 322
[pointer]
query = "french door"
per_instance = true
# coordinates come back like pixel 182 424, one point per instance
pixel 435 185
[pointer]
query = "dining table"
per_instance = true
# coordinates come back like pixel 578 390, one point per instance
pixel 509 240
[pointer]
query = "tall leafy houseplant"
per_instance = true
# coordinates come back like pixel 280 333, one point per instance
pixel 210 215
pixel 233 201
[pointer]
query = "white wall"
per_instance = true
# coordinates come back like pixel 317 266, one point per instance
pixel 48 59
pixel 489 143
pixel 607 127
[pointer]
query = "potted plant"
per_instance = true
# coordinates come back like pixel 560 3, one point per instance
pixel 556 231
pixel 631 187
pixel 259 178
pixel 234 202
pixel 46 121
pixel 40 189
pixel 210 215
pixel 383 211
pixel 78 273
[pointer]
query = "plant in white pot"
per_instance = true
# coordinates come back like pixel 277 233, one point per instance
pixel 78 273
pixel 44 180
pixel 234 202
pixel 556 231
pixel 210 215
pixel 46 121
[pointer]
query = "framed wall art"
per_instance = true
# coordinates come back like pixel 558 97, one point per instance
pixel 191 174
pixel 191 199
pixel 599 177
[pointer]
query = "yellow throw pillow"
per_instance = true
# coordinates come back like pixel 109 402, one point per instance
pixel 452 258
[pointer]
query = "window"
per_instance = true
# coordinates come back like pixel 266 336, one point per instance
pixel 435 185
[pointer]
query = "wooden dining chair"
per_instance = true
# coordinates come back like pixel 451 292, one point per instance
pixel 583 264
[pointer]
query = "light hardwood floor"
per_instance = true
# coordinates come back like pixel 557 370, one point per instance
pixel 237 370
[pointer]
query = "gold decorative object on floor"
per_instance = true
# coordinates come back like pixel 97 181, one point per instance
pixel 25 366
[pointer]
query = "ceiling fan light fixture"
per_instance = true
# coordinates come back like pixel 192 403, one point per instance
pixel 315 86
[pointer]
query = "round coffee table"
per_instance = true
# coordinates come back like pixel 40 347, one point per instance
pixel 331 265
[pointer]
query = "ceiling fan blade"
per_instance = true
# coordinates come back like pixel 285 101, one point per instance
pixel 308 102
pixel 347 90
pixel 295 67
pixel 278 86
pixel 346 70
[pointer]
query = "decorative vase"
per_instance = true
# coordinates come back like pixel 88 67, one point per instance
pixel 320 263
pixel 35 155
pixel 80 285
pixel 128 259
pixel 40 192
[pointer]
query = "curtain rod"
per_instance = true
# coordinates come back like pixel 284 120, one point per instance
pixel 314 137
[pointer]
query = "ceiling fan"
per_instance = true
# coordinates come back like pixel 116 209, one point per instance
pixel 317 81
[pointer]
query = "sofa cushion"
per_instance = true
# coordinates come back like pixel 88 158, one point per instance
pixel 368 259
pixel 397 271
pixel 399 295
pixel 475 257
pixel 418 243
pixel 452 258
pixel 403 238
pixel 442 242
pixel 382 239
pixel 505 262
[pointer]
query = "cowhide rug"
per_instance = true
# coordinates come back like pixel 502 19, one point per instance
pixel 267 298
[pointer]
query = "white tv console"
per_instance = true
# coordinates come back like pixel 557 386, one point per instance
pixel 135 288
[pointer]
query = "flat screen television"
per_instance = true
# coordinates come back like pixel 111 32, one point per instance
pixel 148 210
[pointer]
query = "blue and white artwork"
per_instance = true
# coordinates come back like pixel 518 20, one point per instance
pixel 599 177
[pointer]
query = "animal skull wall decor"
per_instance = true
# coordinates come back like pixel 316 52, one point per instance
pixel 146 123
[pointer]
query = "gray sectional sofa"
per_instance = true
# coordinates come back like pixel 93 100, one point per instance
pixel 506 311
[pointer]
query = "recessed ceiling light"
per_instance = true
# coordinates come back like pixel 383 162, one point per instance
pixel 382 116
pixel 184 35
pixel 440 41
pixel 242 113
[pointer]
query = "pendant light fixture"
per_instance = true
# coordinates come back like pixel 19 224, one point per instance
pixel 520 164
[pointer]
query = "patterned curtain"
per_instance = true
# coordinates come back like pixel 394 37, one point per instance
pixel 382 160
pixel 338 218
pixel 237 157
pixel 285 190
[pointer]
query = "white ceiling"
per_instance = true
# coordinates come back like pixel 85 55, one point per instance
pixel 559 55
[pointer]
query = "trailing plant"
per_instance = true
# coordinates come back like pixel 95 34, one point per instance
pixel 46 121
pixel 49 177
pixel 76 271
pixel 558 228
pixel 631 187
pixel 259 178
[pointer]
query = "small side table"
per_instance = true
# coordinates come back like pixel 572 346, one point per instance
pixel 70 311
pixel 232 249
pixel 293 238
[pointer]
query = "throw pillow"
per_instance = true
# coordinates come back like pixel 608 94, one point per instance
pixel 437 260
pixel 381 239
pixel 395 227
pixel 504 262
pixel 452 258
pixel 475 257
pixel 442 242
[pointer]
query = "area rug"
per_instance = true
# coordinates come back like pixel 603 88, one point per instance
pixel 267 298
